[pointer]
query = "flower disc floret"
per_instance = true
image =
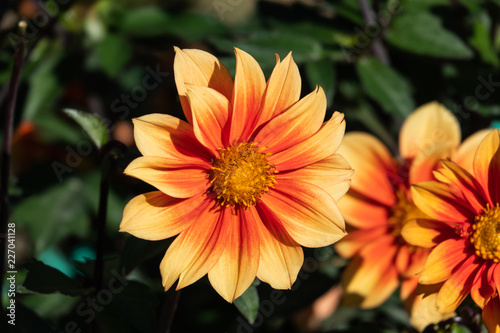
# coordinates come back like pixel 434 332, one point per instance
pixel 241 174
pixel 486 234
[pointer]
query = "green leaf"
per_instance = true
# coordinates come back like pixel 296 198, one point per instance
pixel 47 280
pixel 92 124
pixel 152 21
pixel 482 42
pixel 45 86
pixel 113 52
pixel 54 213
pixel 264 45
pixel 313 30
pixel 248 303
pixel 322 73
pixel 386 86
pixel 423 33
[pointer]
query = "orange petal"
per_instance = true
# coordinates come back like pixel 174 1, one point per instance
pixel 166 136
pixel 236 269
pixel 374 167
pixel 361 212
pixel 426 233
pixel 249 86
pixel 280 256
pixel 496 277
pixel 471 189
pixel 424 311
pixel 283 89
pixel 308 213
pixel 487 165
pixel 156 216
pixel 483 287
pixel 443 261
pixel 210 111
pixel 295 125
pixel 316 148
pixel 194 252
pixel 464 155
pixel 428 126
pixel 168 177
pixel 457 287
pixel 423 165
pixel 418 258
pixel 371 277
pixel 439 202
pixel 491 318
pixel 407 290
pixel 331 174
pixel 357 240
pixel 202 69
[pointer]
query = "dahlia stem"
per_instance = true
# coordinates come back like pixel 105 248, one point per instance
pixel 7 145
pixel 168 311
pixel 377 47
pixel 111 151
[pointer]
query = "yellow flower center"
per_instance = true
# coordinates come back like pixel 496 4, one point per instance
pixel 399 212
pixel 241 174
pixel 486 233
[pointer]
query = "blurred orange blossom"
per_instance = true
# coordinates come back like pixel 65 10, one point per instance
pixel 379 204
pixel 463 230
pixel 249 178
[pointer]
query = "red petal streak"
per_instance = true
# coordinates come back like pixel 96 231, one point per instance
pixel 308 213
pixel 321 145
pixel 469 186
pixel 441 202
pixel 444 260
pixel 295 125
pixel 156 216
pixel 210 112
pixel 283 89
pixel 195 251
pixel 331 174
pixel 238 264
pixel 487 165
pixel 483 287
pixel 202 69
pixel 280 256
pixel 176 182
pixel 166 136
pixel 249 86
pixel 458 286
pixel 491 318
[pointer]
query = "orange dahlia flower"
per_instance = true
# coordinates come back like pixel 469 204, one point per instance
pixel 463 232
pixel 379 204
pixel 249 178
